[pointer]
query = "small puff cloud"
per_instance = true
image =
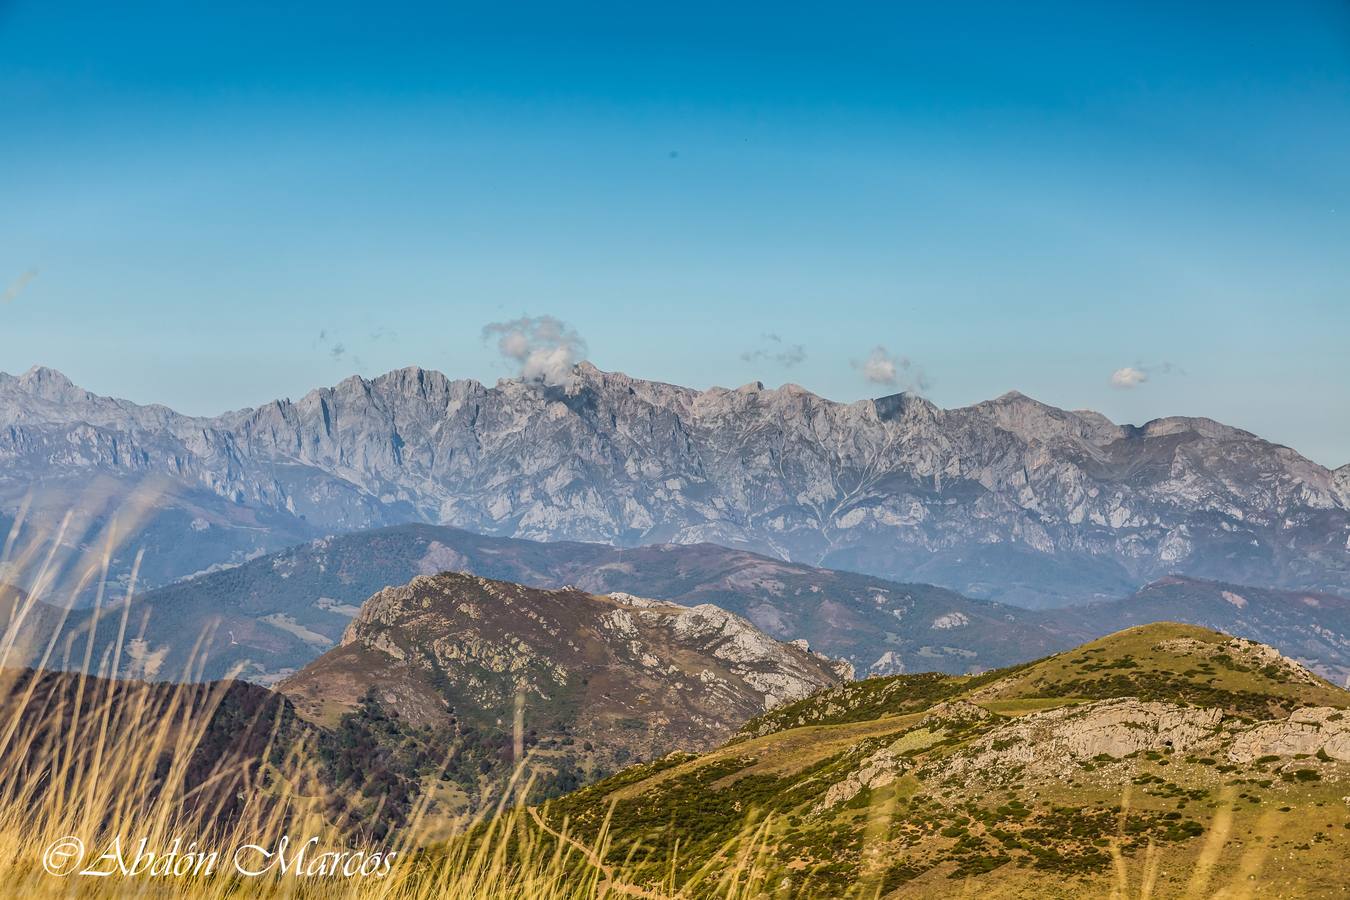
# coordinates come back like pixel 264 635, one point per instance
pixel 1127 378
pixel 542 348
pixel 786 355
pixel 882 367
pixel 1132 376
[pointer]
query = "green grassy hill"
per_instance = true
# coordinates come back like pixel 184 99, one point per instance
pixel 1158 761
pixel 1307 626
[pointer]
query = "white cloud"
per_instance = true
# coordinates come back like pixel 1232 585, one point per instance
pixel 1128 377
pixel 542 348
pixel 882 367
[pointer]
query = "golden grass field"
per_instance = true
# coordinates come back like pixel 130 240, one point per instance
pixel 110 775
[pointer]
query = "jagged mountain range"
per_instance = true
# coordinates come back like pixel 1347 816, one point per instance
pixel 1009 499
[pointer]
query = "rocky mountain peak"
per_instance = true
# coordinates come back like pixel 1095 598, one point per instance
pixel 623 677
pixel 44 396
pixel 47 384
pixel 487 609
pixel 1207 428
pixel 1035 421
pixel 39 377
pixel 905 406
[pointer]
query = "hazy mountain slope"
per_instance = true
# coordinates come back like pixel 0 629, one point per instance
pixel 274 614
pixel 1053 779
pixel 594 681
pixel 221 736
pixel 1009 498
pixel 182 530
pixel 882 627
pixel 174 483
pixel 222 750
pixel 26 628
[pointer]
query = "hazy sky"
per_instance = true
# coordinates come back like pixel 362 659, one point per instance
pixel 210 205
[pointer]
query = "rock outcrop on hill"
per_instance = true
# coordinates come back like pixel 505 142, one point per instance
pixel 1309 731
pixel 593 680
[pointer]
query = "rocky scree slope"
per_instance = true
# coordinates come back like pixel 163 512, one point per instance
pixel 1009 499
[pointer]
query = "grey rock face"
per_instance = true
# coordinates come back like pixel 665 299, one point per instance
pixel 1308 731
pixel 1340 480
pixel 1048 742
pixel 1009 499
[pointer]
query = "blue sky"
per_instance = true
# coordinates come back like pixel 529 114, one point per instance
pixel 210 205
